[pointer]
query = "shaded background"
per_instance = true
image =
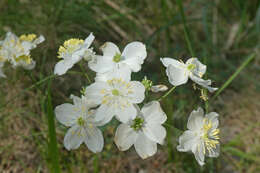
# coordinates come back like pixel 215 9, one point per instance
pixel 223 33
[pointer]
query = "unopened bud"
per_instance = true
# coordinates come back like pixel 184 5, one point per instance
pixel 159 88
pixel 147 83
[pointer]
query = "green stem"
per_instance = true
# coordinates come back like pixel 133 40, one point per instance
pixel 234 75
pixel 176 129
pixel 52 144
pixel 96 163
pixel 86 74
pixel 186 32
pixel 166 94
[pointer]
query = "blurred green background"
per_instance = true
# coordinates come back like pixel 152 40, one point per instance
pixel 223 33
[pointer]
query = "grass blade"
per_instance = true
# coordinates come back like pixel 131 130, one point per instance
pixel 186 31
pixel 234 75
pixel 52 144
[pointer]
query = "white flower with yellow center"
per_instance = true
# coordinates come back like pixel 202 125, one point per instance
pixel 17 50
pixel 132 56
pixel 202 136
pixel 72 51
pixel 178 72
pixel 80 117
pixel 144 131
pixel 116 96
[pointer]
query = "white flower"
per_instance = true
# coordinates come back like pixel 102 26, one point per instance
pixel 116 95
pixel 72 51
pixel 178 72
pixel 83 128
pixel 17 50
pixel 202 136
pixel 133 56
pixel 144 131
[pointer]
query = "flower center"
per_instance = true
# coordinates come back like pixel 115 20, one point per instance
pixel 117 96
pixel 81 121
pixel 69 46
pixel 117 57
pixel 210 136
pixel 137 123
pixel 191 67
pixel 115 92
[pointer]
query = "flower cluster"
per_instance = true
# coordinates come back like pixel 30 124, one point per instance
pixel 16 50
pixel 114 94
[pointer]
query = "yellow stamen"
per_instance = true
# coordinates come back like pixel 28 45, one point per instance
pixel 210 137
pixel 26 58
pixel 29 37
pixel 69 46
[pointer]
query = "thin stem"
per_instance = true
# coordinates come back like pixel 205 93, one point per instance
pixel 176 130
pixel 86 74
pixel 166 94
pixel 52 144
pixel 186 31
pixel 234 75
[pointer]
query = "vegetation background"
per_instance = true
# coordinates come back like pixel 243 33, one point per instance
pixel 223 34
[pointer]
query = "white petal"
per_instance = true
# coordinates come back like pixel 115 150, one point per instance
pixel 134 55
pixel 104 114
pixel 125 114
pixel 187 141
pixel 213 117
pixel 170 61
pixel 66 114
pixel 74 137
pixel 110 49
pixel 200 68
pixel 95 93
pixel 144 146
pixel 138 89
pixel 155 132
pixel 204 83
pixel 88 41
pixel 125 137
pixel 76 100
pixel 62 67
pixel 124 72
pixel 133 63
pixel 94 139
pixel 199 153
pixel 153 113
pixel 177 75
pixel 39 40
pixel 135 49
pixel 102 64
pixel 195 121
